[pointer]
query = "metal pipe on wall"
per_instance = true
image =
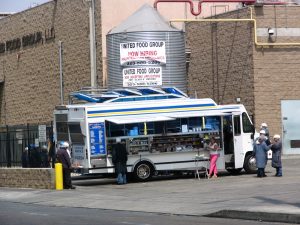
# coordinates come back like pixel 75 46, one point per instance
pixel 93 44
pixel 260 44
pixel 191 3
pixel 245 2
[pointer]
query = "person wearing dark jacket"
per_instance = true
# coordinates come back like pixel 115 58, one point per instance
pixel 63 157
pixel 276 155
pixel 119 159
pixel 34 157
pixel 25 158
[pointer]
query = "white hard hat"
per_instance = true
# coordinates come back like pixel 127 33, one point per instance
pixel 64 144
pixel 264 125
pixel 262 132
pixel 277 136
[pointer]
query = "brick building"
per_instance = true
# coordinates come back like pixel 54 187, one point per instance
pixel 227 65
pixel 29 71
pixel 29 74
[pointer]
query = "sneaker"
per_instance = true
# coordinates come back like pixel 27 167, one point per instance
pixel 73 187
pixel 215 176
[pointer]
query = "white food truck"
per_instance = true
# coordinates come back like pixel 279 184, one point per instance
pixel 162 129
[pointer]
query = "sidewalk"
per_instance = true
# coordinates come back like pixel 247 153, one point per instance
pixel 268 199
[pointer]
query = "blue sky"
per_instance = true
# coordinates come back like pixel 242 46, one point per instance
pixel 19 5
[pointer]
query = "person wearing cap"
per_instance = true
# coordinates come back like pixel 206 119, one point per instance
pixel 119 159
pixel 264 127
pixel 260 150
pixel 44 157
pixel 276 155
pixel 262 134
pixel 266 139
pixel 63 157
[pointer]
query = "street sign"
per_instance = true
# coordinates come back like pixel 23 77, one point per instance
pixel 42 133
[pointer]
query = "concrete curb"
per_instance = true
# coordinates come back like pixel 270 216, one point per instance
pixel 258 216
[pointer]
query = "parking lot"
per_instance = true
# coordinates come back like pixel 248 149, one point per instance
pixel 183 195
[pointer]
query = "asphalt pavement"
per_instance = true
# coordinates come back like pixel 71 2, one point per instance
pixel 243 196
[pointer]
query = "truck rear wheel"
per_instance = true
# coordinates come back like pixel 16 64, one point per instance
pixel 250 164
pixel 143 171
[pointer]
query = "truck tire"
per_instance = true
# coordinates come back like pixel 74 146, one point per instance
pixel 143 171
pixel 250 164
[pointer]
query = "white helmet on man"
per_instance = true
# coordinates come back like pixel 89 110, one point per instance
pixel 263 125
pixel 262 132
pixel 64 144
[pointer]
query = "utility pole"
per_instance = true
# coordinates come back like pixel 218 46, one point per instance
pixel 61 79
pixel 92 44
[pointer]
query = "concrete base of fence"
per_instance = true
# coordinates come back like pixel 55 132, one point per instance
pixel 41 178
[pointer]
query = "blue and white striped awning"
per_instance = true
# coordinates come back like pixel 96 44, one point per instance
pixel 126 92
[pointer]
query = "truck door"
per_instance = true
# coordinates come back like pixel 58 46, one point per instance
pixel 78 153
pixel 238 142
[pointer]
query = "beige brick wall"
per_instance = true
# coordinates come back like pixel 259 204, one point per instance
pixel 27 178
pixel 32 88
pixel 276 69
pixel 221 64
pixel 225 63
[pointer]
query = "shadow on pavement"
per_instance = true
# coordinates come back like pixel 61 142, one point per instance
pixel 257 216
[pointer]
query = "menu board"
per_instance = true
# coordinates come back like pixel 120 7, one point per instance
pixel 97 139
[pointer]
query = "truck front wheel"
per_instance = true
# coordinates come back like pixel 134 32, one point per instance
pixel 250 164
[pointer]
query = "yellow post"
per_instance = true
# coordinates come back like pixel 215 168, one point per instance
pixel 58 176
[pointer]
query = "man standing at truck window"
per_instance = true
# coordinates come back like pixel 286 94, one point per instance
pixel 119 159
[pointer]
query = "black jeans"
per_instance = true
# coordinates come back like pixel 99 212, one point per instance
pixel 67 178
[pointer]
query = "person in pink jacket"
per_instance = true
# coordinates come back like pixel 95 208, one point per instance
pixel 214 151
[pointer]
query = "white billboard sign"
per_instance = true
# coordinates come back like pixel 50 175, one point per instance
pixel 142 76
pixel 142 53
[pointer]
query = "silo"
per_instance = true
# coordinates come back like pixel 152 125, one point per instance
pixel 145 50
